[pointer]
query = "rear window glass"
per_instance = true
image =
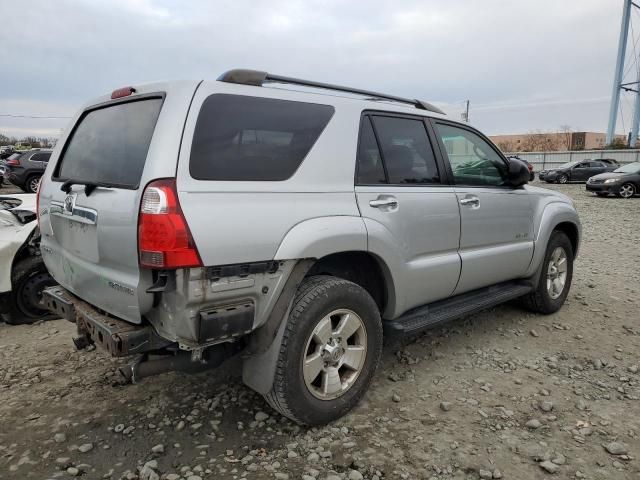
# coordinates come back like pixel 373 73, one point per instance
pixel 109 145
pixel 251 138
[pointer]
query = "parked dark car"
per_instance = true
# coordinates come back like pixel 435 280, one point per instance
pixel 623 182
pixel 578 171
pixel 24 169
pixel 532 174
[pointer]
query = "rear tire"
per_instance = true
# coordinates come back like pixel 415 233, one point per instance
pixel 31 185
pixel 547 297
pixel 319 380
pixel 28 279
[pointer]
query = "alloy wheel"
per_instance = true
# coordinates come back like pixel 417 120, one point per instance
pixel 33 184
pixel 335 354
pixel 627 190
pixel 557 273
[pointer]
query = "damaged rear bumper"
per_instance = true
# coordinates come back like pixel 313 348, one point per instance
pixel 118 337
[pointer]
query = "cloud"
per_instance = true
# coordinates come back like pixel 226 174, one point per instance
pixel 524 65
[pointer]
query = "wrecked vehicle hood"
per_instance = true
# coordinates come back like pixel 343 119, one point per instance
pixel 17 223
pixel 20 208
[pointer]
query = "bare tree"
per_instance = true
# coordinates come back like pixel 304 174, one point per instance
pixel 565 134
pixel 507 146
pixel 539 142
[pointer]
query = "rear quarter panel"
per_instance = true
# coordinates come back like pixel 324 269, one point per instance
pixel 246 221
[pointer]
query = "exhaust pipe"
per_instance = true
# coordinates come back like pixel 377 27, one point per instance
pixel 143 367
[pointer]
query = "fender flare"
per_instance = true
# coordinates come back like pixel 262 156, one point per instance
pixel 322 236
pixel 553 215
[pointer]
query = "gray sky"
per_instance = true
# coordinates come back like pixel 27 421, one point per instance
pixel 524 64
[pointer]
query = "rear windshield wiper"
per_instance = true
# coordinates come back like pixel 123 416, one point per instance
pixel 88 186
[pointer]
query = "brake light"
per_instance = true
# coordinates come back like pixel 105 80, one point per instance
pixel 530 167
pixel 164 239
pixel 15 161
pixel 122 92
pixel 38 201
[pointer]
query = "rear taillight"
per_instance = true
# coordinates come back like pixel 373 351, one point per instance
pixel 164 239
pixel 38 201
pixel 13 162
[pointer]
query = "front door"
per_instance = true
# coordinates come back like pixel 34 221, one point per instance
pixel 581 171
pixel 496 238
pixel 411 215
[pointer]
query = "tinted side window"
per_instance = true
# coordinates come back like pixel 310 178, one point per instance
pixel 473 160
pixel 370 169
pixel 406 150
pixel 40 157
pixel 250 138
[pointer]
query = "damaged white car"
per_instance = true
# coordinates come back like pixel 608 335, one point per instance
pixel 23 276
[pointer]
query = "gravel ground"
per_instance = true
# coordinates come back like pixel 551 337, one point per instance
pixel 503 394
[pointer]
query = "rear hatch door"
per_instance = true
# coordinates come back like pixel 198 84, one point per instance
pixel 91 191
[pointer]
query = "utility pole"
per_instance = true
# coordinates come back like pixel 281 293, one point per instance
pixel 465 114
pixel 617 78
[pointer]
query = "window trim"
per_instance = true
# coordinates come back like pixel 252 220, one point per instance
pixel 442 171
pixel 110 103
pixel 445 155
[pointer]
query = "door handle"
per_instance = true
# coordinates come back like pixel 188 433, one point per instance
pixel 384 202
pixel 474 201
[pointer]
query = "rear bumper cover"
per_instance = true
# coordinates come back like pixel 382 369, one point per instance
pixel 118 337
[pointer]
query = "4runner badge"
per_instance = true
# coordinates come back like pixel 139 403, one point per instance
pixel 69 203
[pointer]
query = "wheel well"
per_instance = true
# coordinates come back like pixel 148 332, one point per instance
pixel 571 231
pixel 361 268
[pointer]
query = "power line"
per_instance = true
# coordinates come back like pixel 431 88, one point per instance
pixel 30 116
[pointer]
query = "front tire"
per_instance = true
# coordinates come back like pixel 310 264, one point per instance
pixel 329 353
pixel 555 279
pixel 563 179
pixel 627 190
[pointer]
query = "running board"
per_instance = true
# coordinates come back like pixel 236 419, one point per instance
pixel 427 316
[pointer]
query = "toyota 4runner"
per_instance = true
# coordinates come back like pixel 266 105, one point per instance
pixel 291 222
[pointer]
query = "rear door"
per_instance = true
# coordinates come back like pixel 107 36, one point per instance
pixel 581 171
pixel 89 236
pixel 596 168
pixel 410 211
pixel 496 238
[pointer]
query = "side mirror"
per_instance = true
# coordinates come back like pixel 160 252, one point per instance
pixel 517 173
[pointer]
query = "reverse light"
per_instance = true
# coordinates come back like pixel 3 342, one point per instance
pixel 164 239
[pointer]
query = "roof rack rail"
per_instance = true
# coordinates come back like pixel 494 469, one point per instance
pixel 258 78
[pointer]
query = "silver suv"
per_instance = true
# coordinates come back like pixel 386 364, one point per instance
pixel 292 222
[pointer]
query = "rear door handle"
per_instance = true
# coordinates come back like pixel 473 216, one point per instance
pixel 473 201
pixel 384 202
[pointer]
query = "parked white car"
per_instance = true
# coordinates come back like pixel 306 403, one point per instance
pixel 23 276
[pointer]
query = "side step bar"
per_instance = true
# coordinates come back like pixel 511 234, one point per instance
pixel 427 316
